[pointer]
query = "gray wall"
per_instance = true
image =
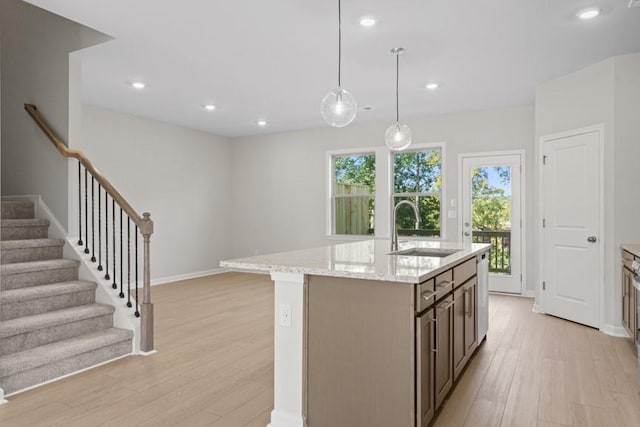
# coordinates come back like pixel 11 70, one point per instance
pixel 605 93
pixel 35 69
pixel 279 180
pixel 181 176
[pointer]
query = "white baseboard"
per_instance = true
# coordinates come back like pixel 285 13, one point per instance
pixel 194 275
pixel 2 399
pixel 537 309
pixel 614 331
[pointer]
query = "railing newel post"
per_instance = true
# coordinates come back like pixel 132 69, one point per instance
pixel 146 309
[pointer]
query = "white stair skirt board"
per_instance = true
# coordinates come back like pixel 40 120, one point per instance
pixel 290 290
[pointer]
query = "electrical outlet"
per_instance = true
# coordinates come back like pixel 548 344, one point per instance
pixel 284 314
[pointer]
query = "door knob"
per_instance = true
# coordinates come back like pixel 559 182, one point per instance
pixel 466 233
pixel 592 239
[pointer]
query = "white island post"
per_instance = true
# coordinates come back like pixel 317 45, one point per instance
pixel 369 260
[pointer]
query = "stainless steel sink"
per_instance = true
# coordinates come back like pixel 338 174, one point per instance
pixel 427 252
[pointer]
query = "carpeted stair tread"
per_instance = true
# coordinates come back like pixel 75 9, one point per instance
pixel 14 363
pixel 16 209
pixel 30 243
pixel 25 250
pixel 25 222
pixel 33 266
pixel 45 291
pixel 22 229
pixel 27 324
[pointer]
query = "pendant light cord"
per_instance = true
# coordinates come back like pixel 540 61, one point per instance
pixel 339 41
pixel 397 85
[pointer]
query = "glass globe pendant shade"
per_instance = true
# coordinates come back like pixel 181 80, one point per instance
pixel 338 108
pixel 398 137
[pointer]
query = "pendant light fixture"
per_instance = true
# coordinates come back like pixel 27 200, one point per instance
pixel 398 136
pixel 339 107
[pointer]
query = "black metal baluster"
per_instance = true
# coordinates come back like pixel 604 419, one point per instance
pixel 106 235
pixel 114 285
pixel 93 223
pixel 137 313
pixel 121 281
pixel 86 213
pixel 128 261
pixel 80 204
pixel 99 227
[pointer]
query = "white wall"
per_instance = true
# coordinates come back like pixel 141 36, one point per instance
pixel 605 93
pixel 35 69
pixel 627 155
pixel 279 180
pixel 181 176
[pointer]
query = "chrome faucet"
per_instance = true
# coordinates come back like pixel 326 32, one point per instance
pixel 394 228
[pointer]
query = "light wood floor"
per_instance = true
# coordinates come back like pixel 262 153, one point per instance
pixel 215 368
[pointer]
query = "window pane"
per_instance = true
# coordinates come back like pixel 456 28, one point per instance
pixel 417 171
pixel 429 211
pixel 354 215
pixel 355 174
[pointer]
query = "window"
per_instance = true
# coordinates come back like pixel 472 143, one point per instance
pixel 353 193
pixel 417 177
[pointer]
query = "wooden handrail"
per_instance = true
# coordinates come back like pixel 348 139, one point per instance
pixel 146 226
pixel 144 223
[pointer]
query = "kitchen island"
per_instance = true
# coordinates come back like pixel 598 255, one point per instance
pixel 363 337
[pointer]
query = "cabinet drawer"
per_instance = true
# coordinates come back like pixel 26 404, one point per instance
pixel 443 284
pixel 627 259
pixel 464 271
pixel 425 295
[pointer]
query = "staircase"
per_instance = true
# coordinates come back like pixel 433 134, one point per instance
pixel 50 325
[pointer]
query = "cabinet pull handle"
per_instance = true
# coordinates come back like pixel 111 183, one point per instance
pixel 428 295
pixel 446 307
pixel 435 335
pixel 466 304
pixel 446 284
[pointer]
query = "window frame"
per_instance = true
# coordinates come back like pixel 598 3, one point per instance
pixel 331 196
pixel 442 193
pixel 383 205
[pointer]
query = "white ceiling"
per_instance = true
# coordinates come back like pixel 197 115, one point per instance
pixel 276 59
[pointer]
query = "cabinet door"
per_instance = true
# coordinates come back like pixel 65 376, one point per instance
pixel 425 389
pixel 459 309
pixel 626 294
pixel 471 315
pixel 443 349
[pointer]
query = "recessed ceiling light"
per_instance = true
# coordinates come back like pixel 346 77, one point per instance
pixel 368 21
pixel 138 85
pixel 432 86
pixel 209 107
pixel 589 13
pixel 262 122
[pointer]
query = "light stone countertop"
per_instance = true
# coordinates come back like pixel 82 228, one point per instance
pixel 634 249
pixel 367 259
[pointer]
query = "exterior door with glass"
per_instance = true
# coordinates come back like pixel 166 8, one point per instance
pixel 491 209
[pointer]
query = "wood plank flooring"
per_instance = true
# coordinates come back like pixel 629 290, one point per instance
pixel 214 367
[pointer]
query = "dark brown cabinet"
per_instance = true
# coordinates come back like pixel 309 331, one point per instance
pixel 443 349
pixel 459 323
pixel 425 398
pixel 470 317
pixel 629 296
pixel 465 330
pixel 629 314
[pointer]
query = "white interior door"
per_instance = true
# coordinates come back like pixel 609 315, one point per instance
pixel 571 196
pixel 491 209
